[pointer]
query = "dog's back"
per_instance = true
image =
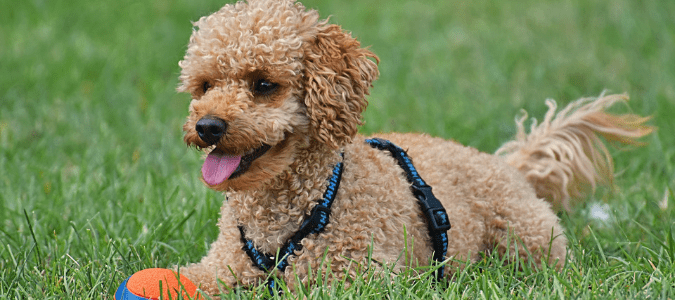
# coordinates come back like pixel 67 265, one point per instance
pixel 491 198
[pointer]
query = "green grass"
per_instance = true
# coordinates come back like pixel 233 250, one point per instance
pixel 95 183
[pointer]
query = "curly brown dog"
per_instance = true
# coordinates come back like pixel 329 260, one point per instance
pixel 277 97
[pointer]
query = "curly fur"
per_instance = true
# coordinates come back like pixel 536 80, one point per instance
pixel 323 76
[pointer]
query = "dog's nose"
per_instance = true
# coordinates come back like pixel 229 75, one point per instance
pixel 211 129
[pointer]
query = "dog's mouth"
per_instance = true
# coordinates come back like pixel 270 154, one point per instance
pixel 219 166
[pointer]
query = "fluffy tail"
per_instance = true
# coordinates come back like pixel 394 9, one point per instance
pixel 564 155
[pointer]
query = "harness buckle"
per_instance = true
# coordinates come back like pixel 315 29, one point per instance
pixel 432 208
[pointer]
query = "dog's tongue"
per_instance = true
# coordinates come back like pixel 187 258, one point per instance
pixel 217 168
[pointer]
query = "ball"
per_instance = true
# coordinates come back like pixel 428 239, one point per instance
pixel 156 283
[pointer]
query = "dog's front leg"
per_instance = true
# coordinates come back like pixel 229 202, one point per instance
pixel 226 262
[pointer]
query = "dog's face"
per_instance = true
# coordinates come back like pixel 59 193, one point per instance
pixel 268 78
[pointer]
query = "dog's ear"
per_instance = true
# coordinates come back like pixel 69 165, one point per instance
pixel 338 75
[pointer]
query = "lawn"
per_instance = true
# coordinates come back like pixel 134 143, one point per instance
pixel 96 184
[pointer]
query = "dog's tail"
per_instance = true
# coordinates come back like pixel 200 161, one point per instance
pixel 564 155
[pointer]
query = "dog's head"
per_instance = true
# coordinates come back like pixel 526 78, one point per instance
pixel 267 78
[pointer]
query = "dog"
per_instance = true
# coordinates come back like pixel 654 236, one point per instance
pixel 277 97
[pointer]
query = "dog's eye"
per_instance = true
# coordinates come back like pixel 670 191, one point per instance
pixel 264 87
pixel 206 86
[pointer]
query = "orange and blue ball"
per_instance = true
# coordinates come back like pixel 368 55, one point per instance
pixel 156 283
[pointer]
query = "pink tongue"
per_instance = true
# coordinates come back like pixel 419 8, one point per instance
pixel 217 168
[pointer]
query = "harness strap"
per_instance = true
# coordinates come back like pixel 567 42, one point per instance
pixel 314 223
pixel 437 218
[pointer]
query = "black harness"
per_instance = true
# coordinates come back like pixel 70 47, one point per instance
pixel 437 218
pixel 315 223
